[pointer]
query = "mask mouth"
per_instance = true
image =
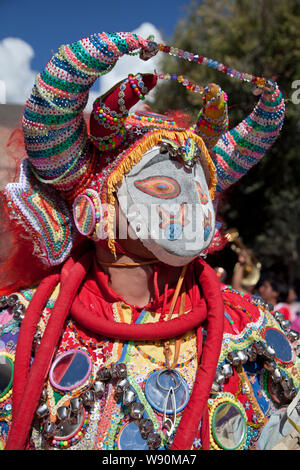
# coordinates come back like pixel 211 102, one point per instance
pixel 168 208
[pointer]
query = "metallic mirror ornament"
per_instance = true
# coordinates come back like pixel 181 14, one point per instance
pixel 227 370
pixel 229 426
pixel 6 374
pixel 227 422
pixel 157 388
pixel 70 370
pixel 279 342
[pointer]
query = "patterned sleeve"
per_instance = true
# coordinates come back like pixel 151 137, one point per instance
pixel 243 146
pixel 53 123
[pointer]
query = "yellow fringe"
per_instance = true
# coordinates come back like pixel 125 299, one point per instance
pixel 135 155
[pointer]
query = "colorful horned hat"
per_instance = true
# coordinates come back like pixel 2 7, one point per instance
pixel 69 181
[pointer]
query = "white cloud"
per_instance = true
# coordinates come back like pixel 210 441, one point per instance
pixel 16 72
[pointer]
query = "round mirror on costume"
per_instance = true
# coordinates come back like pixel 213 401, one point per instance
pixel 228 426
pixel 281 345
pixel 70 370
pixel 6 374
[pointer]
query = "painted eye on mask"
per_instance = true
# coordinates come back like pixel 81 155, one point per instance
pixel 162 187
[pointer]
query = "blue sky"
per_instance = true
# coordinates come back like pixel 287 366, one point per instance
pixel 45 25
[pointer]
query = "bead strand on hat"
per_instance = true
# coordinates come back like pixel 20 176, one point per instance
pixel 137 84
pixel 259 82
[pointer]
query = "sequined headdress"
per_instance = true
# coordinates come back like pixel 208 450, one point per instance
pixel 67 163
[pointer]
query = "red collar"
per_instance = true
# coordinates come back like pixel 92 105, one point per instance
pixel 97 283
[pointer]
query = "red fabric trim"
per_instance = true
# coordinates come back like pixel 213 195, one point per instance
pixel 89 320
pixel 193 412
pixel 71 277
pixel 18 435
pixel 27 332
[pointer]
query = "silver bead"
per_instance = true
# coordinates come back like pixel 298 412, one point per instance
pixel 3 301
pixel 227 370
pixel 49 429
pixel 252 354
pixel 259 347
pixel 164 147
pixel 18 313
pixel 88 398
pixel 146 427
pixel 122 385
pixel 153 441
pixel 243 357
pixel 76 405
pixel 277 375
pixel 63 413
pixel 42 411
pixel 270 352
pixel 215 388
pixel 279 316
pixel 285 324
pixel 219 378
pixel 270 365
pixel 104 374
pixel 129 397
pixel 12 300
pixel 99 388
pixel 233 358
pixel 287 383
pixel 137 410
pixel 293 335
pixel 121 370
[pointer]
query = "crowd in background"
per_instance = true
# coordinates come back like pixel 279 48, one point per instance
pixel 273 290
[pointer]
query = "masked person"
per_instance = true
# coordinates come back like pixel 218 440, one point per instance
pixel 125 339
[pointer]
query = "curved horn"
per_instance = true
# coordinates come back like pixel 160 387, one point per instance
pixel 110 110
pixel 54 125
pixel 242 147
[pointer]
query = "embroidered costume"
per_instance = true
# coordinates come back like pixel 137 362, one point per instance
pixel 201 366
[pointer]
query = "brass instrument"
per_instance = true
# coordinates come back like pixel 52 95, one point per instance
pixel 252 267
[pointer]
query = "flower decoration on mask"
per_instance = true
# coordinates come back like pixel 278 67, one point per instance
pixel 187 154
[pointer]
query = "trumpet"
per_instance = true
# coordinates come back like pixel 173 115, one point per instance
pixel 252 267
